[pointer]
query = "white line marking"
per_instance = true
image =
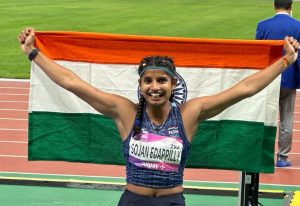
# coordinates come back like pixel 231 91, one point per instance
pixel 62 175
pixel 14 80
pixel 288 168
pixel 14 102
pixel 14 88
pixel 13 119
pixel 279 185
pixel 217 182
pixel 17 142
pixel 10 94
pixel 13 156
pixel 19 110
pixel 13 129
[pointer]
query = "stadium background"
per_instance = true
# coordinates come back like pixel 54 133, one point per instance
pixel 232 19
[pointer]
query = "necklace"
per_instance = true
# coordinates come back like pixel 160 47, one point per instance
pixel 157 127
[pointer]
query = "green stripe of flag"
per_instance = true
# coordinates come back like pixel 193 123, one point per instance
pixel 93 138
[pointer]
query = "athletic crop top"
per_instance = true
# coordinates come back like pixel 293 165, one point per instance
pixel 157 157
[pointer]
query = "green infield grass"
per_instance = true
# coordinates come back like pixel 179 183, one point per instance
pixel 230 19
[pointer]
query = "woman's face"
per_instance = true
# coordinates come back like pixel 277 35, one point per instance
pixel 156 86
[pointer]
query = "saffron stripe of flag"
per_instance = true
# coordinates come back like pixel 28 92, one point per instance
pixel 63 127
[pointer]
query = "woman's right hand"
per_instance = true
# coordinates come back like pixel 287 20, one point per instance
pixel 27 39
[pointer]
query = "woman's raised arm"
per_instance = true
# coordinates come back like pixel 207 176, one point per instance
pixel 106 103
pixel 202 108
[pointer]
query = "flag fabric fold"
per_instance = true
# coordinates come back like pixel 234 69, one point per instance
pixel 63 127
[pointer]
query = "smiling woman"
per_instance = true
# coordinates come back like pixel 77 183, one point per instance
pixel 157 84
pixel 155 156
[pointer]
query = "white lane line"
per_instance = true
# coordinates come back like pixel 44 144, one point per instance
pixel 14 156
pixel 217 182
pixel 12 129
pixel 10 94
pixel 274 184
pixel 9 141
pixel 288 168
pixel 13 80
pixel 19 110
pixel 71 175
pixel 14 119
pixel 14 102
pixel 14 88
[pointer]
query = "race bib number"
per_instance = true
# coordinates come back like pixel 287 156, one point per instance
pixel 155 152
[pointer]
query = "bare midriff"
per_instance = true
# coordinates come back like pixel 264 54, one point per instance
pixel 153 192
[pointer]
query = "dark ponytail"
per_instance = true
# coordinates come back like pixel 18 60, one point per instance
pixel 137 127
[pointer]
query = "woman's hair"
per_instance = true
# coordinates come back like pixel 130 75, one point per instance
pixel 164 63
pixel 161 62
pixel 137 127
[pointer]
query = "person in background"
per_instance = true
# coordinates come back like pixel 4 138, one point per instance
pixel 156 121
pixel 277 28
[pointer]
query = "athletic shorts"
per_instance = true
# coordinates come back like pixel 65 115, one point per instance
pixel 129 198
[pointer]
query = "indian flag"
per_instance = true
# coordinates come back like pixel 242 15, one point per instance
pixel 63 127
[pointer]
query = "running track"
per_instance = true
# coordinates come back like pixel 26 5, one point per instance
pixel 13 147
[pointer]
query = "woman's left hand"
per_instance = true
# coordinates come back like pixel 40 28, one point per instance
pixel 291 47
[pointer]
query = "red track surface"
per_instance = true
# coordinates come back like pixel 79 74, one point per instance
pixel 13 147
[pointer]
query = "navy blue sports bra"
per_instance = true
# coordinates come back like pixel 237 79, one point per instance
pixel 157 157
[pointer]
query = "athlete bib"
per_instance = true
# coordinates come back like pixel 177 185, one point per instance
pixel 155 152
